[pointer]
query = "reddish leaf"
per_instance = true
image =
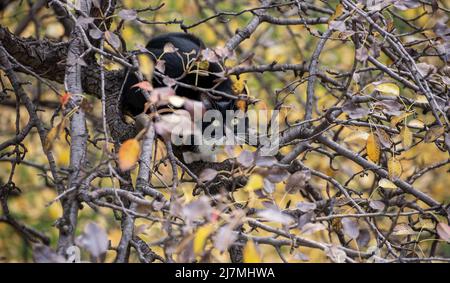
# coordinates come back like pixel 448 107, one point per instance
pixel 145 85
pixel 64 99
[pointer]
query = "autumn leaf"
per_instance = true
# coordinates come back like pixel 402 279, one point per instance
pixel 145 85
pixel 394 168
pixel 254 182
pixel 390 26
pixel 241 105
pixel 350 227
pixel 113 39
pixel 203 65
pixel 443 231
pixel 433 134
pixel 200 238
pixel 356 135
pixel 403 229
pixel 416 123
pixel 64 99
pixel 339 11
pixel 54 134
pixel 422 99
pixel 384 138
pixel 373 148
pixel 250 253
pixel 238 86
pixel 406 137
pixel 387 184
pixel 397 119
pixel 377 205
pixel 311 228
pixel 50 138
pixel 275 215
pixel 128 154
pixel 388 88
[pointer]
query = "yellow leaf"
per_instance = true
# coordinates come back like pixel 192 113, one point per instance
pixel 62 153
pixel 339 11
pixel 403 229
pixel 388 88
pixel 53 135
pixel 254 182
pixel 415 123
pixel 55 30
pixel 373 148
pixel 356 135
pixel 394 168
pixel 203 65
pixel 238 86
pixel 387 184
pixel 50 138
pixel 146 66
pixel 433 134
pixel 398 119
pixel 200 238
pixel 406 137
pixel 422 99
pixel 250 253
pixel 129 154
pixel 390 26
pixel 55 211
